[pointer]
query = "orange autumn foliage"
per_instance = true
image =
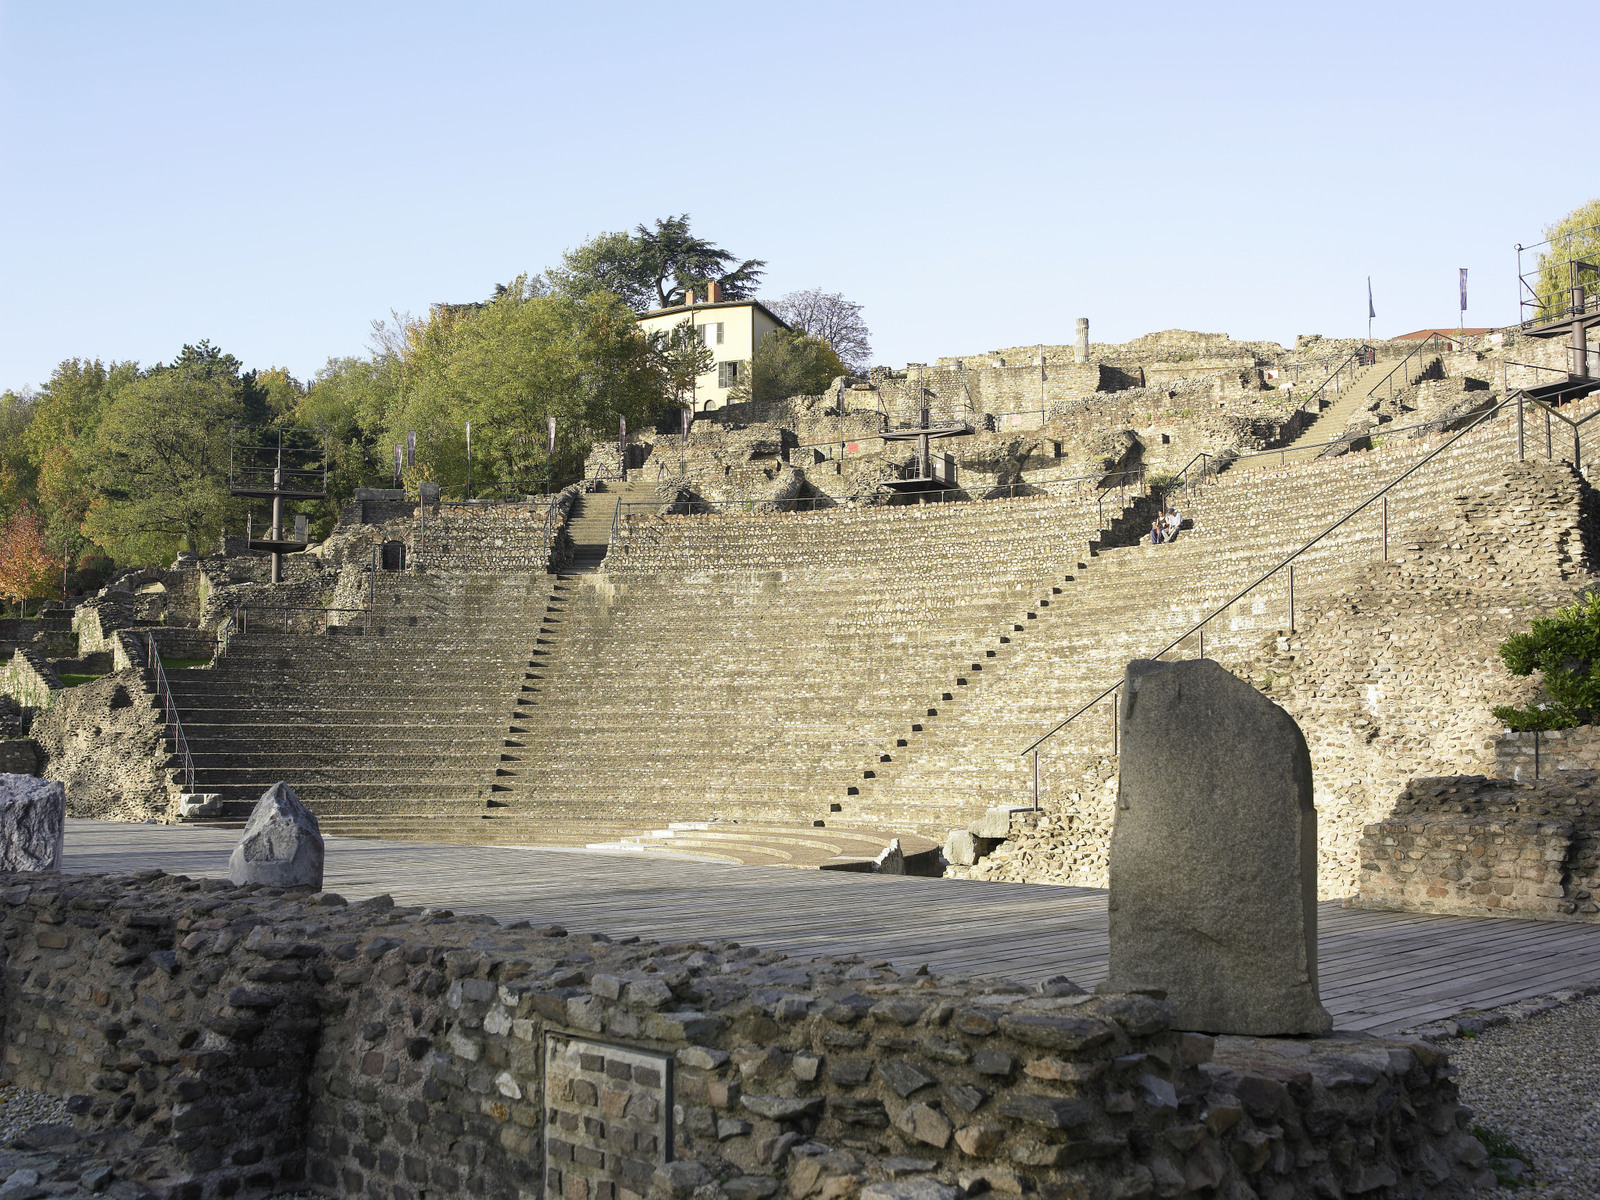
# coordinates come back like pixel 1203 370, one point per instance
pixel 27 567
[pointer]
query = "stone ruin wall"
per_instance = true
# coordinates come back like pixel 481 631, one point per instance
pixel 236 1041
pixel 1392 680
pixel 1476 846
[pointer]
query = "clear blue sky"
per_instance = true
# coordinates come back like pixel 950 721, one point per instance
pixel 274 176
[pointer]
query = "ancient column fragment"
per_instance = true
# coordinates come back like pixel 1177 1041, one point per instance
pixel 1213 854
pixel 1080 350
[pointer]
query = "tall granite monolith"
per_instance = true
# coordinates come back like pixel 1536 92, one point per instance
pixel 281 846
pixel 33 823
pixel 1214 854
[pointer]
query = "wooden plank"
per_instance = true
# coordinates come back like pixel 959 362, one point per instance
pixel 1380 971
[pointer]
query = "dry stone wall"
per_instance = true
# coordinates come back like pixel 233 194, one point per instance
pixel 246 1040
pixel 1488 847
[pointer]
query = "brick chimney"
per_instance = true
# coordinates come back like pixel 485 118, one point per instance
pixel 714 292
pixel 688 297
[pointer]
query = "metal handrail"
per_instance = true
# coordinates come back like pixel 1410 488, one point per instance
pixel 1199 626
pixel 242 609
pixel 180 743
pixel 1349 360
pixel 1431 342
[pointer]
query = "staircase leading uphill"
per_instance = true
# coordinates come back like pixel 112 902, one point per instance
pixel 402 723
pixel 748 665
pixel 1134 599
pixel 593 518
pixel 1348 401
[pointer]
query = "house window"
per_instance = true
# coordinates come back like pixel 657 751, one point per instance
pixel 713 333
pixel 727 374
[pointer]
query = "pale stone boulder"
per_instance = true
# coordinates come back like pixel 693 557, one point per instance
pixel 1213 859
pixel 200 804
pixel 960 848
pixel 33 823
pixel 282 846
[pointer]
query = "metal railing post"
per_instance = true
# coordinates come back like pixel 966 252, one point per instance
pixel 1291 597
pixel 1384 522
pixel 1521 452
pixel 1036 780
pixel 1202 632
pixel 1549 448
pixel 1116 722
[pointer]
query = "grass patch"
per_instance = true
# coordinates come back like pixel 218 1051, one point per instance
pixel 1511 1164
pixel 180 664
pixel 74 678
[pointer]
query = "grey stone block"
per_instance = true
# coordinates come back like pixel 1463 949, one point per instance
pixel 282 846
pixel 996 823
pixel 891 859
pixel 960 848
pixel 33 822
pixel 200 804
pixel 1213 854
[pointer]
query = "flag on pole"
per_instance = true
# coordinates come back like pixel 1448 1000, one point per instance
pixel 622 441
pixel 683 414
pixel 1371 312
pixel 411 447
pixel 552 437
pixel 399 456
pixel 1463 289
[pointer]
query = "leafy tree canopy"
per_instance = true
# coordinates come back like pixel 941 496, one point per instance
pixel 1565 647
pixel 158 461
pixel 653 267
pixel 788 364
pixel 506 365
pixel 1575 236
pixel 831 318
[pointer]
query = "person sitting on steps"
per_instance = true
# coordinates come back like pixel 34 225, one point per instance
pixel 1158 531
pixel 1174 521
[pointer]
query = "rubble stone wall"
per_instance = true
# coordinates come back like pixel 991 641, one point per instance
pixel 250 1040
pixel 1487 847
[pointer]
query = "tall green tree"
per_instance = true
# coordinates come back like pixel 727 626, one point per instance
pixel 788 364
pixel 159 459
pixel 1574 238
pixel 655 265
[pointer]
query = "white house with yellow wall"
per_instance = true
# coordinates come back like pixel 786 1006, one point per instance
pixel 732 330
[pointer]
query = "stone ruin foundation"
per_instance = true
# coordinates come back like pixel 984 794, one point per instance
pixel 219 1041
pixel 1482 847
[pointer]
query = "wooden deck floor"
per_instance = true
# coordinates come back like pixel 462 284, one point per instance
pixel 1380 972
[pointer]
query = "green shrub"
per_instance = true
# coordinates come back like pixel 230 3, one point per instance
pixel 1565 647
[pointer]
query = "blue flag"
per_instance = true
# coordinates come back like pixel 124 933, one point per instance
pixel 1463 289
pixel 1371 312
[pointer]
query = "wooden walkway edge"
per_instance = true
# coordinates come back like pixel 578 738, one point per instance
pixel 1380 972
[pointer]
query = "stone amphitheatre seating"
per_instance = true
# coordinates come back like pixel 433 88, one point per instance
pixel 876 667
pixel 721 665
pixel 494 537
pixel 406 721
pixel 1135 599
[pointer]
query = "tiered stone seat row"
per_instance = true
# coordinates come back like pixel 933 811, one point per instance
pixel 486 537
pixel 407 718
pixel 724 664
pixel 1135 599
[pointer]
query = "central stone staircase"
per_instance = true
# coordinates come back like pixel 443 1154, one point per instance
pixel 593 517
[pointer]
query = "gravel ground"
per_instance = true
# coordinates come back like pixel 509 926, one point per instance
pixel 1534 1082
pixel 20 1109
